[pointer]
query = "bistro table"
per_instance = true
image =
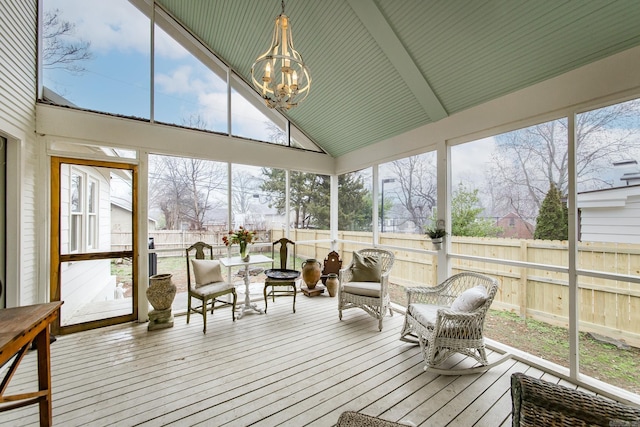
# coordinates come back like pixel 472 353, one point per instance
pixel 19 327
pixel 237 261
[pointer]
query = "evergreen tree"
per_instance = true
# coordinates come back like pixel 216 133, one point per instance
pixel 355 203
pixel 309 195
pixel 552 223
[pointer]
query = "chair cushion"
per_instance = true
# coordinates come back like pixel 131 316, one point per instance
pixel 366 268
pixel 470 299
pixel 365 289
pixel 206 271
pixel 426 314
pixel 213 289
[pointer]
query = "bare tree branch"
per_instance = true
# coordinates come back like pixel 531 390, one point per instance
pixel 60 48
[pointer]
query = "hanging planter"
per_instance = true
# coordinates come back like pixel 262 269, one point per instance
pixel 437 235
pixel 437 243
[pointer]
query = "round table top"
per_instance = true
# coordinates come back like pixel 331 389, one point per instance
pixel 282 273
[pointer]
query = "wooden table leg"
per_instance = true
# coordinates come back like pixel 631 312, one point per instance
pixel 44 376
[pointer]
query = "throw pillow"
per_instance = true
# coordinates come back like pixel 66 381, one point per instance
pixel 206 271
pixel 470 299
pixel 366 268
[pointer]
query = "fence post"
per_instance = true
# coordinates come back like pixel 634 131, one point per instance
pixel 524 273
pixel 434 270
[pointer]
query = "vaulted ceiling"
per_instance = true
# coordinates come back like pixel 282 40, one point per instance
pixel 383 67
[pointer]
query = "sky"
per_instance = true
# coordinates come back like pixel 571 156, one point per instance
pixel 117 79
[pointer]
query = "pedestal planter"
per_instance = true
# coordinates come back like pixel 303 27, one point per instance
pixel 160 293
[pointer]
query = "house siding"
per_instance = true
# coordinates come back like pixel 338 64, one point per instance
pixel 611 215
pixel 18 44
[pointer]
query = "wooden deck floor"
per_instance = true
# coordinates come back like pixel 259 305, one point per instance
pixel 266 370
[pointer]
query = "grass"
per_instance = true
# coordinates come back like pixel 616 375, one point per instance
pixel 600 360
pixel 603 361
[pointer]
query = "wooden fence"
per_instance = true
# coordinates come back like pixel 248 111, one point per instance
pixel 608 307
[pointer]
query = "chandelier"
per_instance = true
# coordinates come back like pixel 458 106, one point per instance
pixel 280 75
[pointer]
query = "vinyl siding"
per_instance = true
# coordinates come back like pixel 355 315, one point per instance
pixel 18 47
pixel 611 215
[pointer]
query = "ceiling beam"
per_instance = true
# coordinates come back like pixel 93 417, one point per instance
pixel 369 14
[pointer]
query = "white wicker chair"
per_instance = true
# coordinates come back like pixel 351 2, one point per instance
pixel 372 297
pixel 442 332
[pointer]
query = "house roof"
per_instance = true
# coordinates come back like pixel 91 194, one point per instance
pixel 383 67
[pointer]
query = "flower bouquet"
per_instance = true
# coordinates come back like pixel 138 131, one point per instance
pixel 242 237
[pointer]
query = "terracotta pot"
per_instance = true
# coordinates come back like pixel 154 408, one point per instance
pixel 161 291
pixel 332 284
pixel 311 272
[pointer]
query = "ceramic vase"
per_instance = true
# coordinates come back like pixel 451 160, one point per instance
pixel 161 291
pixel 311 272
pixel 332 284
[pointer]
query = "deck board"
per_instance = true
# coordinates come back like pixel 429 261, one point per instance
pixel 301 369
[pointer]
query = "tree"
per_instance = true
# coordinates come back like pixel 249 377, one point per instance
pixel 244 186
pixel 59 49
pixel 183 189
pixel 527 160
pixel 299 193
pixel 465 215
pixel 552 221
pixel 309 195
pixel 355 203
pixel 276 134
pixel 416 176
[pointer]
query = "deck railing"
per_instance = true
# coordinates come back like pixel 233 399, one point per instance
pixel 533 273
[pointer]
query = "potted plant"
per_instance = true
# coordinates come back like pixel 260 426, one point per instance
pixel 437 235
pixel 242 237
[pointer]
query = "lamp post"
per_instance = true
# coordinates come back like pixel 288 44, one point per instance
pixel 384 181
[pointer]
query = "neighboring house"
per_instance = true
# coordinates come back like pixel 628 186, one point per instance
pixel 515 227
pixel 610 215
pixel 121 215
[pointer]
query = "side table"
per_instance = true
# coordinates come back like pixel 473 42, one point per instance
pixel 237 261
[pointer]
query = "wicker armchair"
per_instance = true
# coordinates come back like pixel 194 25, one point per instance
pixel 372 297
pixel 536 402
pixel 356 419
pixel 442 329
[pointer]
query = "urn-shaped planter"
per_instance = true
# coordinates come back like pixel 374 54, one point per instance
pixel 160 293
pixel 332 284
pixel 311 272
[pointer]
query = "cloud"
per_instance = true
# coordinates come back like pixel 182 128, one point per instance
pixel 470 161
pixel 247 120
pixel 213 107
pixel 114 25
pixel 189 78
pixel 178 81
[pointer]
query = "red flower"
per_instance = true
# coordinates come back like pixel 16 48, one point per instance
pixel 239 235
